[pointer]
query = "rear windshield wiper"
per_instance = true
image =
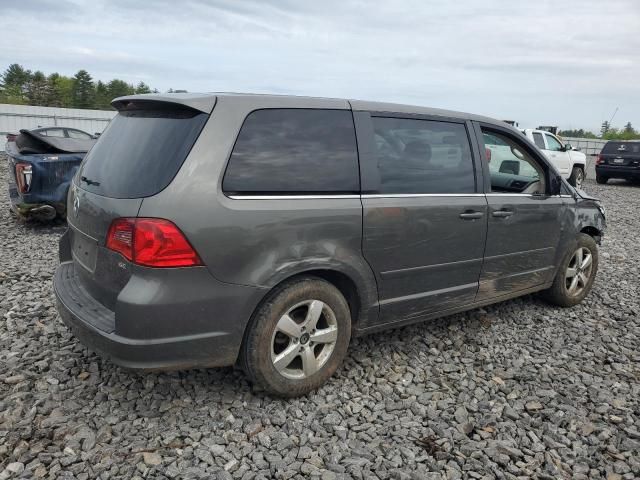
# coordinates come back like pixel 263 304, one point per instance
pixel 88 181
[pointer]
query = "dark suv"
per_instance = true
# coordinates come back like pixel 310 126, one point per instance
pixel 210 230
pixel 619 159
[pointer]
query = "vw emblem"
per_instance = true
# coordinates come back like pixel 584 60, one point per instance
pixel 76 204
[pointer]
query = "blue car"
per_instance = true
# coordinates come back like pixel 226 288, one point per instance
pixel 42 163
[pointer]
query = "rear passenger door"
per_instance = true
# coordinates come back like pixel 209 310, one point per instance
pixel 424 216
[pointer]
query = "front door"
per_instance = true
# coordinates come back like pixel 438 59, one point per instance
pixel 525 223
pixel 558 155
pixel 424 218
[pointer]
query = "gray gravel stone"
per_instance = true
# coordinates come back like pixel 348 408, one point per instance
pixel 515 390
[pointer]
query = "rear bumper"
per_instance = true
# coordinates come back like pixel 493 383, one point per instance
pixel 97 328
pixel 617 172
pixel 34 207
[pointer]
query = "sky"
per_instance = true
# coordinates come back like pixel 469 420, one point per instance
pixel 569 63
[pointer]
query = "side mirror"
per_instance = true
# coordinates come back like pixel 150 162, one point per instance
pixel 555 186
pixel 568 147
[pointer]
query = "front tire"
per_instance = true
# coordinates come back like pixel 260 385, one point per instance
pixel 298 337
pixel 577 177
pixel 601 179
pixel 576 273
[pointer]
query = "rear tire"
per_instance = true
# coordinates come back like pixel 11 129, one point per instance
pixel 298 337
pixel 576 273
pixel 601 179
pixel 577 177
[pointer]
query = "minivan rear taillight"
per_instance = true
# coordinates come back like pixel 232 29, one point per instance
pixel 599 160
pixel 152 242
pixel 24 175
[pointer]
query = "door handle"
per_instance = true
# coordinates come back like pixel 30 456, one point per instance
pixel 471 215
pixel 502 213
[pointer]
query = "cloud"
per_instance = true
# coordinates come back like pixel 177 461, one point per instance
pixel 543 62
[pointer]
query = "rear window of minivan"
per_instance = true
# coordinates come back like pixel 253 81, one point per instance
pixel 141 150
pixel 294 151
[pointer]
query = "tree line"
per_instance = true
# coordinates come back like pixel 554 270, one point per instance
pixel 23 87
pixel 607 132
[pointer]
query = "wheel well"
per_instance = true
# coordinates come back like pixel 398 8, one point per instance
pixel 343 283
pixel 593 232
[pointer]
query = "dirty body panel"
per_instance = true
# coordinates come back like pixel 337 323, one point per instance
pixel 255 239
pixel 139 316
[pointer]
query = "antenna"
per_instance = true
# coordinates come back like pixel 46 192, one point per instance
pixel 614 114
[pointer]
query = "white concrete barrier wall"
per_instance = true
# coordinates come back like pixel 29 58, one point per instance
pixel 16 117
pixel 590 146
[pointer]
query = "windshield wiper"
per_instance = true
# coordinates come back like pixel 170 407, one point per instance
pixel 88 181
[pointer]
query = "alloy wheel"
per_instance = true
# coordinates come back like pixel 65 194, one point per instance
pixel 579 271
pixel 304 339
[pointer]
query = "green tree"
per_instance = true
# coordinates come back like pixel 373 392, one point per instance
pixel 37 90
pixel 611 133
pixel 13 84
pixel 20 86
pixel 143 88
pixel 83 90
pixel 580 133
pixel 103 98
pixel 54 93
pixel 119 88
pixel 606 126
pixel 65 89
pixel 627 133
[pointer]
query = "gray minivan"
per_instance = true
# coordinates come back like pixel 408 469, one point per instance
pixel 266 231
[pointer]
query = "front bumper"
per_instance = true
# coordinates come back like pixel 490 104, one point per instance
pixel 96 327
pixel 618 172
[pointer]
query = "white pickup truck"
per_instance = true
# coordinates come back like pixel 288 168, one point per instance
pixel 571 163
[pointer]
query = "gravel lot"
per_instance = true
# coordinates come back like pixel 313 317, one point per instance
pixel 517 390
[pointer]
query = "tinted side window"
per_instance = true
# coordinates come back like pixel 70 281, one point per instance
pixel 539 141
pixel 294 151
pixel 422 156
pixel 78 134
pixel 52 132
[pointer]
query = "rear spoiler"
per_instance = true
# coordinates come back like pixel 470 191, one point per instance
pixel 201 102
